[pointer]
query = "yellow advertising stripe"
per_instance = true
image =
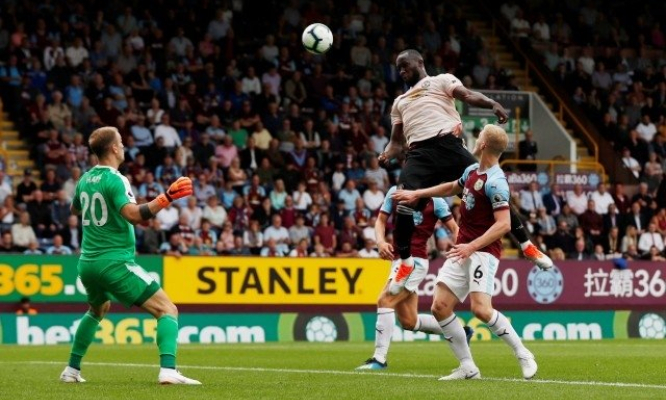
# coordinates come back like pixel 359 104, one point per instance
pixel 261 280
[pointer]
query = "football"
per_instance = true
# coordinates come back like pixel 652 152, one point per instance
pixel 317 38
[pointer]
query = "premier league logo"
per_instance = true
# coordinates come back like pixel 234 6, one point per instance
pixel 545 286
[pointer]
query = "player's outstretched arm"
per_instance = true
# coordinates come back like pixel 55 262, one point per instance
pixel 442 190
pixel 385 248
pixel 452 226
pixel 396 146
pixel 501 227
pixel 481 100
pixel 136 214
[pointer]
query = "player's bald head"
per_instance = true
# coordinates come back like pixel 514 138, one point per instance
pixel 495 138
pixel 411 54
pixel 101 140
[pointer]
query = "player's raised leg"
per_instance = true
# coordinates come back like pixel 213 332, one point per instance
pixel 500 326
pixel 85 333
pixel 529 249
pixel 161 307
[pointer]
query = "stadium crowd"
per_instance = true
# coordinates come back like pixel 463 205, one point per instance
pixel 281 144
pixel 611 58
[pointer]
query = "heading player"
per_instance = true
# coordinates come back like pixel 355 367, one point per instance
pixel 405 303
pixel 472 263
pixel 108 210
pixel 425 119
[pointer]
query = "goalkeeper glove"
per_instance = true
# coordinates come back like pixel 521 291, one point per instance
pixel 179 189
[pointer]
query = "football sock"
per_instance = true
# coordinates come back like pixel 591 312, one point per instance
pixel 85 333
pixel 501 327
pixel 517 228
pixel 404 228
pixel 383 332
pixel 428 324
pixel 167 334
pixel 454 334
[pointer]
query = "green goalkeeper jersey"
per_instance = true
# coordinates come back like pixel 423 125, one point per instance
pixel 100 195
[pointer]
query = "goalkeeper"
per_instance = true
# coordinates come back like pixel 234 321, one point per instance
pixel 108 210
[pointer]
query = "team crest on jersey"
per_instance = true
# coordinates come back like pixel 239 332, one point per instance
pixel 418 217
pixel 426 84
pixel 478 185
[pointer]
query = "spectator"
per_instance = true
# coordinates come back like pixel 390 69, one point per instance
pixel 58 248
pixel 302 199
pixel 214 213
pixel 630 239
pixel 253 238
pixel 650 238
pixel 637 218
pixel 71 233
pixel 580 253
pixel 602 199
pixel 239 249
pixel 577 200
pixel 25 307
pixel 9 213
pixel 33 249
pixel 592 222
pixel 174 247
pixel 225 241
pixel 301 249
pixel 527 150
pixel 7 244
pixel 531 199
pixel 271 248
pixel 192 213
pixel 369 249
pixel 168 133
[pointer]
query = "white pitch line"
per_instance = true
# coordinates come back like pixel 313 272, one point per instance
pixel 354 373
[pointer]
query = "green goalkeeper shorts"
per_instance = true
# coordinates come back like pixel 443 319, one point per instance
pixel 126 281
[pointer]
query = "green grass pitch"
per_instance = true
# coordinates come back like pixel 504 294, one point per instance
pixel 612 369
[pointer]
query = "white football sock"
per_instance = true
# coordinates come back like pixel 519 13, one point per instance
pixel 408 261
pixel 525 244
pixel 454 334
pixel 428 324
pixel 383 332
pixel 501 327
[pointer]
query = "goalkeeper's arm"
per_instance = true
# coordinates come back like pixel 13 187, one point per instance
pixel 137 213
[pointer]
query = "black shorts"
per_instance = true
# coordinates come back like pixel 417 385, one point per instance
pixel 434 161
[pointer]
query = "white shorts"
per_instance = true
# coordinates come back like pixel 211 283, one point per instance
pixel 475 274
pixel 417 276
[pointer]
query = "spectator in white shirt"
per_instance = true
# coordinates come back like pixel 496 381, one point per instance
pixel 646 128
pixel 251 85
pixel 379 140
pixel 377 174
pixel 168 132
pixel 368 251
pixel 541 30
pixel 22 232
pixel 214 212
pixel 577 200
pixel 76 53
pixel 302 198
pixel 602 199
pixel 168 217
pixel 279 234
pixel 193 212
pixel 650 238
pixel 520 27
pixel 373 197
pixel 531 199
